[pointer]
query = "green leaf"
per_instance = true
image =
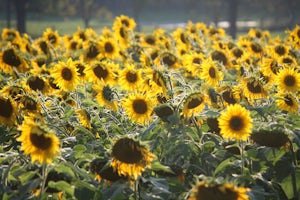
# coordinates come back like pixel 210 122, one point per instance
pixel 229 162
pixel 27 176
pixel 62 186
pixel 157 166
pixel 287 184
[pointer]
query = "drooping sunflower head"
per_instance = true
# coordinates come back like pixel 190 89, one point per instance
pixel 193 104
pixel 10 60
pixel 164 111
pixel 105 95
pixel 84 118
pixel 147 57
pixel 65 75
pixel 37 83
pixel 37 141
pixel 8 111
pixel 221 57
pixel 15 91
pixel 29 104
pixel 287 102
pixel 288 80
pixel 215 191
pixel 130 158
pixel 92 49
pixel 253 88
pixel 52 37
pixel 168 59
pixel 139 107
pixel 274 137
pixel 103 170
pixel 235 123
pixel 80 68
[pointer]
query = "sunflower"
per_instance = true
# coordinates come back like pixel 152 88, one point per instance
pixel 158 82
pixel 10 60
pixel 14 91
pixel 279 50
pixel 287 61
pixel 104 171
pixel 10 35
pixel 130 78
pixel 91 50
pixel 101 70
pixel 43 46
pixel 168 59
pixel 139 107
pixel 181 36
pixel 193 104
pixel 29 104
pixel 149 40
pixel 8 111
pixel 52 37
pixel 84 118
pixel 37 83
pixel 125 21
pixel 220 56
pixel 130 158
pixel 270 138
pixel 80 68
pixel 214 191
pixel 287 102
pixel 105 95
pixel 255 49
pixel 65 75
pixel 148 56
pixel 288 80
pixel 192 62
pixel 38 142
pixel 235 122
pixel 122 34
pixel 253 88
pixel 109 48
pixel 229 95
pixel 210 72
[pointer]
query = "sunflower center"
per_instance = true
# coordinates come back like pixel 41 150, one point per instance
pixel 183 38
pixel 29 104
pixel 66 74
pixel 228 97
pixel 36 83
pixel 123 32
pixel 107 93
pixel 80 69
pixel 236 123
pixel 140 106
pixel 197 61
pixel 127 150
pixel 52 84
pixel 256 47
pixel 82 36
pixel 108 47
pixel 125 22
pixel 92 52
pixel 52 38
pixel 212 72
pixel 73 45
pixel 44 47
pixel 280 50
pixel 288 100
pixel 154 55
pixel 6 109
pixel 40 62
pixel 169 60
pixel 150 40
pixel 40 141
pixel 289 80
pixel 131 77
pixel 194 103
pixel 253 87
pixel 287 60
pixel 219 56
pixel 10 58
pixel 237 52
pixel 100 72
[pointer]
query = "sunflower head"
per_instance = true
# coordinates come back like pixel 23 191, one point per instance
pixel 130 158
pixel 164 111
pixel 10 60
pixel 8 111
pixel 193 104
pixel 235 122
pixel 41 144
pixel 215 191
pixel 275 138
pixel 288 80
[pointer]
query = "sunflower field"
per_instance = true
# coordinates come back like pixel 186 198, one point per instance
pixel 187 114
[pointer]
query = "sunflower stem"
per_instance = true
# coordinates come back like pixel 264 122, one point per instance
pixel 44 176
pixel 242 156
pixel 293 173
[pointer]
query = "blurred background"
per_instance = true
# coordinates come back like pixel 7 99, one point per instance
pixel 66 16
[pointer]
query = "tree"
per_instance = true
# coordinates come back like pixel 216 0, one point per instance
pixel 233 10
pixel 20 6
